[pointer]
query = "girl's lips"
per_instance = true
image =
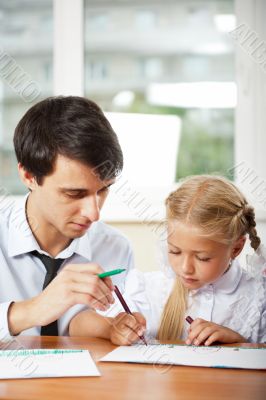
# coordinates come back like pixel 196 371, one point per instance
pixel 189 280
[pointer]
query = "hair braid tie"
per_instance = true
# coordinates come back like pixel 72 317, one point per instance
pixel 249 214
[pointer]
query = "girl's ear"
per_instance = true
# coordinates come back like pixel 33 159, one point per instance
pixel 238 246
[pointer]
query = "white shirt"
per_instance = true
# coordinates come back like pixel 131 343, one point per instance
pixel 22 275
pixel 236 300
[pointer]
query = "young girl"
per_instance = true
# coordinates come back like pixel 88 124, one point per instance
pixel 208 220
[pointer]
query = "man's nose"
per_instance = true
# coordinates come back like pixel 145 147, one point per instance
pixel 90 208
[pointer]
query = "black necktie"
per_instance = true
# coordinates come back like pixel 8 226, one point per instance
pixel 52 266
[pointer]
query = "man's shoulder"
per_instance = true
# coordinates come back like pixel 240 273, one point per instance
pixel 5 214
pixel 12 217
pixel 10 210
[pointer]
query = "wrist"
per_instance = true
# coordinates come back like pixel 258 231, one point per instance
pixel 242 339
pixel 237 338
pixel 20 316
pixel 104 328
pixel 109 327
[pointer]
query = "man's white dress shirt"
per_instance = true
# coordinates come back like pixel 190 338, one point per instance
pixel 22 275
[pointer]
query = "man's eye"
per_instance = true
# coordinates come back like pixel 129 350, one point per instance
pixel 74 195
pixel 103 190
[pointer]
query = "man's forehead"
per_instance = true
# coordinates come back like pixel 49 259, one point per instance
pixel 65 164
pixel 85 186
pixel 73 174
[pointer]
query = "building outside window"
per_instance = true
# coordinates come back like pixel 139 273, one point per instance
pixel 26 73
pixel 169 58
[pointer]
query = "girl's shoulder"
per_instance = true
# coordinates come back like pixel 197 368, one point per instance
pixel 253 280
pixel 250 305
pixel 252 286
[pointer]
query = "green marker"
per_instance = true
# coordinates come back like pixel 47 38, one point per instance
pixel 109 273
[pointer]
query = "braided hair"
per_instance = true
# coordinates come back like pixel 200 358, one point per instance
pixel 220 210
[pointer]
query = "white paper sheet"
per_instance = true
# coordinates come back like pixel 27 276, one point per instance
pixel 203 356
pixel 44 363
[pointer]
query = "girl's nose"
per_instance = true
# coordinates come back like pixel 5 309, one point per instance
pixel 187 266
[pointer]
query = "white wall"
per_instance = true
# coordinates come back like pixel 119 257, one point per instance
pixel 145 241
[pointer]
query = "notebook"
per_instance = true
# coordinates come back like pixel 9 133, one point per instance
pixel 44 363
pixel 200 356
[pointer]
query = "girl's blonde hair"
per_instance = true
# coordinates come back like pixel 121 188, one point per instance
pixel 219 209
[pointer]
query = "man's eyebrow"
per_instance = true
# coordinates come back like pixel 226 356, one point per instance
pixel 82 190
pixel 79 190
pixel 108 185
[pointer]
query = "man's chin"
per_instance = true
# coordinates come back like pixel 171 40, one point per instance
pixel 77 230
pixel 75 235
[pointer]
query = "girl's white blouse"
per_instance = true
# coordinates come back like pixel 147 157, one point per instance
pixel 236 300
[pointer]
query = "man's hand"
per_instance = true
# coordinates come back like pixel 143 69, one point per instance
pixel 75 284
pixel 126 328
pixel 205 332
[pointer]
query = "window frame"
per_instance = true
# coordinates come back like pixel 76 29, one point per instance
pixel 250 117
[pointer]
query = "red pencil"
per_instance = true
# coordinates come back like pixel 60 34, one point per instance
pixel 189 319
pixel 126 308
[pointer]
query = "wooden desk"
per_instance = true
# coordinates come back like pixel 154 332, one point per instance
pixel 133 381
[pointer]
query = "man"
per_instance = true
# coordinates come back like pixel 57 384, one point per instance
pixel 68 157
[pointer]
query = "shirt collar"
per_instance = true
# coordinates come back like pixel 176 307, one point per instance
pixel 21 239
pixel 80 246
pixel 227 283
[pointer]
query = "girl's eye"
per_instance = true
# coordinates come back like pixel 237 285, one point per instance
pixel 174 252
pixel 203 259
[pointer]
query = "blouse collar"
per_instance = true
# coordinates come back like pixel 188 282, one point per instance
pixel 227 283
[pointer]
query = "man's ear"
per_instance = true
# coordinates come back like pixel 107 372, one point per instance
pixel 27 178
pixel 238 246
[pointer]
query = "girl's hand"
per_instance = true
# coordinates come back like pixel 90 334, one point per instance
pixel 127 328
pixel 206 332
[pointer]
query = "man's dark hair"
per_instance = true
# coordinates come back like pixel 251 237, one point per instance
pixel 70 126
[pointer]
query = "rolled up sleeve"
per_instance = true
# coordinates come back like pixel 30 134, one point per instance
pixel 5 335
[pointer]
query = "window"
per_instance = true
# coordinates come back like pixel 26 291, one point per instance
pixel 172 58
pixel 169 58
pixel 145 20
pixel 25 73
